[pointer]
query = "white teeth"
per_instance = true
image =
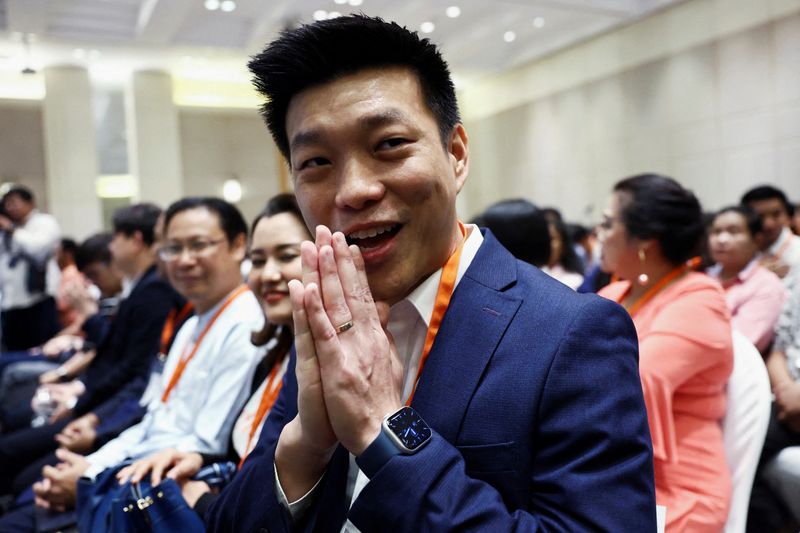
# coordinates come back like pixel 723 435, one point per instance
pixel 371 232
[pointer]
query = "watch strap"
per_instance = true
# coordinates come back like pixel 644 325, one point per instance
pixel 377 454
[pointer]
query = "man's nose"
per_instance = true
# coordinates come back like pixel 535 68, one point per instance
pixel 359 185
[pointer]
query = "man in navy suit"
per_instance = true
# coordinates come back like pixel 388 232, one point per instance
pixel 438 384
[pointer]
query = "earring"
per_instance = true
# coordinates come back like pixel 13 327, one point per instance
pixel 643 278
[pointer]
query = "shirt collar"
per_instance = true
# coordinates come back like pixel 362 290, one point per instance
pixel 742 276
pixel 778 244
pixel 423 298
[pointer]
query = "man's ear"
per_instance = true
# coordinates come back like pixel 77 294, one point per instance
pixel 239 247
pixel 458 152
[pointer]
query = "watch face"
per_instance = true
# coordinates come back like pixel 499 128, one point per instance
pixel 409 427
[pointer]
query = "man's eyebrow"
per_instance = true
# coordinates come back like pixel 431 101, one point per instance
pixel 372 120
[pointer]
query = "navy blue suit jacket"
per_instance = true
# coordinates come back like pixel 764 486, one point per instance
pixel 539 423
pixel 131 343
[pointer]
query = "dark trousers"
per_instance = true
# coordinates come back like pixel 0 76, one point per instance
pixel 21 449
pixel 767 513
pixel 26 327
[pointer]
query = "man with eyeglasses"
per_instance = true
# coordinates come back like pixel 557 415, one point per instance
pixel 208 368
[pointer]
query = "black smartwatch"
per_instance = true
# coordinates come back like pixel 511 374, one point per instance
pixel 403 432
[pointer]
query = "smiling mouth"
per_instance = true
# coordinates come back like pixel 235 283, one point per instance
pixel 373 237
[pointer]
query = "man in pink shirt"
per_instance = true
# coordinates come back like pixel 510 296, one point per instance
pixel 754 294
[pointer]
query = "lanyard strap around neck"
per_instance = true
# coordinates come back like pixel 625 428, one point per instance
pixel 268 397
pixel 447 285
pixel 174 318
pixel 671 276
pixel 176 376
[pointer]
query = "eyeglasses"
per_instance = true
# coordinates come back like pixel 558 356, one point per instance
pixel 606 223
pixel 172 251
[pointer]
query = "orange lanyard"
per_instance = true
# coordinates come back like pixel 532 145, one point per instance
pixel 184 358
pixel 663 282
pixel 173 319
pixel 446 286
pixel 268 398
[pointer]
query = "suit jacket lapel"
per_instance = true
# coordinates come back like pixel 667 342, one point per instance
pixel 478 315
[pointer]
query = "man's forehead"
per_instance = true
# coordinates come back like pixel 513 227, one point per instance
pixel 768 205
pixel 197 220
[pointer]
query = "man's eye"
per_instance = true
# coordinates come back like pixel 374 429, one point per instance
pixel 314 162
pixel 394 142
pixel 258 262
pixel 287 258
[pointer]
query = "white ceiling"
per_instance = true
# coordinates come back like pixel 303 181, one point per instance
pixel 117 36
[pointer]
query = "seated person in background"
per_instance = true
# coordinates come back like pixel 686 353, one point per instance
pixel 780 248
pixel 652 227
pixel 564 264
pixel 522 228
pixel 275 256
pixel 65 354
pixel 209 367
pixel 65 258
pixel 768 510
pixel 754 294
pixel 125 352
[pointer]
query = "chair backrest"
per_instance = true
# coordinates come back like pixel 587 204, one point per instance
pixel 745 425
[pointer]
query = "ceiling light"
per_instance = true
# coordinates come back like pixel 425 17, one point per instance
pixel 427 27
pixel 340 2
pixel 334 14
pixel 355 3
pixel 538 22
pixel 453 11
pixel 232 191
pixel 509 36
pixel 211 5
pixel 79 53
pixel 320 14
pixel 227 5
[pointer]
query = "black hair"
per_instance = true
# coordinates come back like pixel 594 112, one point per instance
pixel 317 53
pixel 280 203
pixel 578 232
pixel 521 227
pixel 660 208
pixel 569 258
pixel 19 190
pixel 94 250
pixel 230 218
pixel 751 218
pixel 552 213
pixel 69 246
pixel 767 192
pixel 137 217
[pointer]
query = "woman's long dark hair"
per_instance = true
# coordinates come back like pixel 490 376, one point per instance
pixel 281 203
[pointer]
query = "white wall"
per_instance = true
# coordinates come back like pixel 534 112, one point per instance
pixel 217 145
pixel 22 146
pixel 709 100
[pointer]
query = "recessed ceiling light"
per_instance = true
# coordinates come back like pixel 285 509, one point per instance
pixel 453 11
pixel 509 36
pixel 334 14
pixel 227 5
pixel 355 3
pixel 211 5
pixel 427 27
pixel 320 14
pixel 340 2
pixel 538 22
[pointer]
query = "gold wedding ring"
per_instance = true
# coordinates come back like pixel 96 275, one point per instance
pixel 341 328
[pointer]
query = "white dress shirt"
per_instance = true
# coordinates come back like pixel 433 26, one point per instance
pixel 199 413
pixel 37 237
pixel 787 247
pixel 408 324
